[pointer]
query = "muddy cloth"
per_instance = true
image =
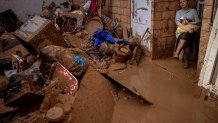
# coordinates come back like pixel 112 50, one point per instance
pixel 100 36
pixel 189 38
pixel 67 58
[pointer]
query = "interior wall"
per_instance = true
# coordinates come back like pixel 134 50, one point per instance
pixel 25 9
pixel 121 11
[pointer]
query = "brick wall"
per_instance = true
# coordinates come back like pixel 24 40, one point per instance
pixel 116 9
pixel 205 32
pixel 121 11
pixel 163 31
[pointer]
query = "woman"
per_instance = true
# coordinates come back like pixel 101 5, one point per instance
pixel 185 15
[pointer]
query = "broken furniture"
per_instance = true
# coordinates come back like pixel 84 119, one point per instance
pixel 38 33
pixel 24 88
pixel 61 77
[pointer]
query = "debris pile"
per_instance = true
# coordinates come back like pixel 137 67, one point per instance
pixel 61 46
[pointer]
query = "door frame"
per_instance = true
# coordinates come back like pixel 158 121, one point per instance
pixel 210 60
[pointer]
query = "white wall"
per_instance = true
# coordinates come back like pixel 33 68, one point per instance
pixel 141 20
pixel 23 8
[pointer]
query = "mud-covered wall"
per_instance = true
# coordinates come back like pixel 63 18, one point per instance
pixel 25 9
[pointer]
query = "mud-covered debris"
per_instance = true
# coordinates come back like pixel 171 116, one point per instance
pixel 8 41
pixel 63 79
pixel 93 24
pixel 78 15
pixel 33 117
pixel 74 14
pixel 56 103
pixel 117 66
pixel 6 110
pixel 23 93
pixel 82 34
pixel 32 73
pixel 65 57
pixel 122 53
pixel 112 24
pixel 55 114
pixel 49 11
pixel 38 33
pixel 74 40
pixel 4 82
pixel 19 62
pixel 137 54
pixel 107 48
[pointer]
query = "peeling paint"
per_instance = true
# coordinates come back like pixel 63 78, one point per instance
pixel 141 19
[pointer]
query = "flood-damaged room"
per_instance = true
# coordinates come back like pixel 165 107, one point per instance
pixel 108 61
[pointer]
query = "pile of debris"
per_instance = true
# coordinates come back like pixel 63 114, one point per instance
pixel 61 46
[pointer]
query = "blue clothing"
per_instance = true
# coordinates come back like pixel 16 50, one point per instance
pixel 99 36
pixel 190 14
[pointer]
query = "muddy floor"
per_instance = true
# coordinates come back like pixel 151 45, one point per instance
pixel 171 90
pixel 94 101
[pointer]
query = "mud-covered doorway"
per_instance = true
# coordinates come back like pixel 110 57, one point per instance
pixel 141 20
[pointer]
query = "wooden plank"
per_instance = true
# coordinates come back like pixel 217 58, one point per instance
pixel 125 34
